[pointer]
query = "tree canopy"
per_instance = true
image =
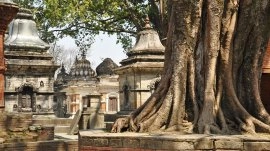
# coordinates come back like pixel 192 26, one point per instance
pixel 84 19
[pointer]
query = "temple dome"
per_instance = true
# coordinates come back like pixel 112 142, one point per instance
pixel 23 34
pixel 148 48
pixel 106 67
pixel 82 68
pixel 148 43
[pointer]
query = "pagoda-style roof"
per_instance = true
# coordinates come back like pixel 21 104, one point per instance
pixel 266 60
pixel 23 34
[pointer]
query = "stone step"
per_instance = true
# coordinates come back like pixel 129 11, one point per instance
pixel 61 129
pixel 55 122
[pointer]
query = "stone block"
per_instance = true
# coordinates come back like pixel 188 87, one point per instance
pixel 150 144
pixel 131 143
pixel 204 143
pixel 115 142
pixel 256 146
pixel 173 145
pixel 101 142
pixel 228 144
pixel 86 141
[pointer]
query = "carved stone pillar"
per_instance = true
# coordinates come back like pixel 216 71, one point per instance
pixel 19 102
pixel 33 102
pixel 8 10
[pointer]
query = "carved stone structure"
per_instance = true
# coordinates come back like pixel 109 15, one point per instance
pixel 93 94
pixel 265 79
pixel 8 10
pixel 30 68
pixel 139 72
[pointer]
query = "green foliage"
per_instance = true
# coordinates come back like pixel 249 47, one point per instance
pixel 83 19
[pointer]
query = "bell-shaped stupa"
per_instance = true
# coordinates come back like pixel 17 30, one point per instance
pixel 145 61
pixel 30 68
pixel 23 34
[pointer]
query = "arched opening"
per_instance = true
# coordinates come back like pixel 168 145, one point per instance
pixel 27 98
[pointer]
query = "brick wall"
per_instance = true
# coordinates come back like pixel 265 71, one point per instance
pixel 11 121
pixel 266 61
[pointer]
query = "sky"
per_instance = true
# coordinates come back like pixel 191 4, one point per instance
pixel 104 47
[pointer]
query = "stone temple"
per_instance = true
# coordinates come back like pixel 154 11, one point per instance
pixel 94 93
pixel 139 74
pixel 30 68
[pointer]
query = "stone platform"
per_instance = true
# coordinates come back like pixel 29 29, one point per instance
pixel 97 140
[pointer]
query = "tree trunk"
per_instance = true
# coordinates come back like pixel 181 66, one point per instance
pixel 213 62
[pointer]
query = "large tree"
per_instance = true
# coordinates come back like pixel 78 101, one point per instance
pixel 211 77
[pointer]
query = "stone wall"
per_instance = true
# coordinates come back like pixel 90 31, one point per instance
pixel 60 145
pixel 94 141
pixel 10 121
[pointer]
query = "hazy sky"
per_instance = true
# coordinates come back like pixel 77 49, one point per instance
pixel 104 47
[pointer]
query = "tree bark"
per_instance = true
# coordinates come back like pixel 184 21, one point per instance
pixel 213 61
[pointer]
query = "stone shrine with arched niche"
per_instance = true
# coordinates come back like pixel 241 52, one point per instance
pixel 30 68
pixel 138 72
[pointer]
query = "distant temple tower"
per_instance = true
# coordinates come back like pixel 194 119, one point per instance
pixel 30 68
pixel 139 73
pixel 8 10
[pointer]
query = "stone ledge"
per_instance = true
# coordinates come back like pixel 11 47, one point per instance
pixel 98 140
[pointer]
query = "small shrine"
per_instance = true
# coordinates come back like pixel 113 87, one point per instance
pixel 265 79
pixel 139 74
pixel 30 68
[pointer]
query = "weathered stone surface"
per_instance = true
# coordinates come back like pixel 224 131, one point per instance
pixel 257 146
pixel 75 122
pixel 172 141
pixel 150 144
pixel 115 142
pixel 205 143
pixel 2 140
pixel 101 142
pixel 131 142
pixel 171 145
pixel 232 144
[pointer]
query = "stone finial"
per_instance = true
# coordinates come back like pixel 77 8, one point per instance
pixel 147 23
